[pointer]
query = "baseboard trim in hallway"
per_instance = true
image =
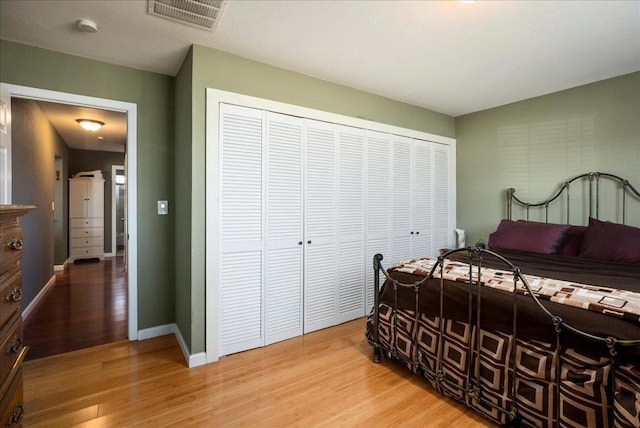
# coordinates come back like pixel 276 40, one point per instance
pixel 36 300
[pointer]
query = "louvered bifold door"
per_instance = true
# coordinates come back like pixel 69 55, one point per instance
pixel 241 202
pixel 351 205
pixel 320 225
pixel 401 198
pixel 423 199
pixel 442 227
pixel 378 205
pixel 284 228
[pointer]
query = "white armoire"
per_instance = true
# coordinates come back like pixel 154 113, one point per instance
pixel 303 205
pixel 86 218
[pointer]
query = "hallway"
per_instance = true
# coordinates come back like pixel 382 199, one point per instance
pixel 87 306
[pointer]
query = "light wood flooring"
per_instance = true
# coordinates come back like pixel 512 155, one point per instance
pixel 325 378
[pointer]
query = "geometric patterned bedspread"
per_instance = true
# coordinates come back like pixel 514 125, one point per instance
pixel 604 300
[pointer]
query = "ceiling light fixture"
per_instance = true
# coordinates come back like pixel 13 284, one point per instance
pixel 90 124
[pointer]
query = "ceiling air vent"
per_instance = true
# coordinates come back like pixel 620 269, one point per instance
pixel 197 13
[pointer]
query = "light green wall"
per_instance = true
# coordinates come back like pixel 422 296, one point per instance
pixel 183 185
pixel 220 70
pixel 546 140
pixel 153 94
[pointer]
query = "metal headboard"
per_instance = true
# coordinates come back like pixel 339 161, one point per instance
pixel 626 188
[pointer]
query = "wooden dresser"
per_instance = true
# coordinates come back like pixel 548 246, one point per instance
pixel 12 348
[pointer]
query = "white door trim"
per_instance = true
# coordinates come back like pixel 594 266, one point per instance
pixel 132 131
pixel 114 220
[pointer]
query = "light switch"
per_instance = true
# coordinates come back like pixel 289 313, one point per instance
pixel 163 207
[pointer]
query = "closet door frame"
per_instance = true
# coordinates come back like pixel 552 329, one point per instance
pixel 214 98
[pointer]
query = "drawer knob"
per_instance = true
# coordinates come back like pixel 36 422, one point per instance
pixel 16 415
pixel 15 295
pixel 15 244
pixel 16 345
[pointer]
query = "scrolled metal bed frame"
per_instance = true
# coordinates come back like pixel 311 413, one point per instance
pixel 474 257
pixel 593 201
pixel 474 390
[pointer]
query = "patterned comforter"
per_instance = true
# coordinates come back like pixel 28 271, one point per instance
pixel 524 376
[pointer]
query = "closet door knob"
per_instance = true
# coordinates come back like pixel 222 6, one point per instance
pixel 309 242
pixel 299 242
pixel 412 233
pixel 417 233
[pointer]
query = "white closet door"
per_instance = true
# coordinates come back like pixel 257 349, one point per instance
pixel 351 203
pixel 378 205
pixel 320 225
pixel 284 228
pixel 442 228
pixel 422 199
pixel 241 202
pixel 402 195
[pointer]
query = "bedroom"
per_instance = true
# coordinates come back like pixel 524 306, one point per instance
pixel 171 264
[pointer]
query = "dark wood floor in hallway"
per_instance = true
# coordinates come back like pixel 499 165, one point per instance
pixel 87 306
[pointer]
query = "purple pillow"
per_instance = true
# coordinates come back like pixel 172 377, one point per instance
pixel 611 242
pixel 545 238
pixel 571 247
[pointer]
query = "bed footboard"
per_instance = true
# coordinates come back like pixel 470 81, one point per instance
pixel 509 379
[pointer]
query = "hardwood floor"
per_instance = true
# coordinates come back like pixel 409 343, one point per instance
pixel 325 378
pixel 87 306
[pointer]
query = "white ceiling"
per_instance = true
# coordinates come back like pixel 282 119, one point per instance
pixel 447 56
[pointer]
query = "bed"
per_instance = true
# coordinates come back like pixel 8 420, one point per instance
pixel 540 329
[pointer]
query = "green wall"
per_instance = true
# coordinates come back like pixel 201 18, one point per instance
pixel 534 145
pixel 183 185
pixel 215 69
pixel 154 95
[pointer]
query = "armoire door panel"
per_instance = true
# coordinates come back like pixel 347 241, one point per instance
pixel 77 199
pixel 95 198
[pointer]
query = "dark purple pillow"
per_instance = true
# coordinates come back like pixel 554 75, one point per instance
pixel 545 238
pixel 611 242
pixel 571 246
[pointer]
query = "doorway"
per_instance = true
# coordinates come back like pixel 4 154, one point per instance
pixel 130 109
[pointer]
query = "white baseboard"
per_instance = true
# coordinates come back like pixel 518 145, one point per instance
pixel 36 300
pixel 160 330
pixel 58 268
pixel 192 360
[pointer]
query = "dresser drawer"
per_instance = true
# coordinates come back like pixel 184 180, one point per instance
pixel 86 232
pixel 10 297
pixel 87 251
pixel 12 349
pixel 12 406
pixel 86 222
pixel 11 243
pixel 86 242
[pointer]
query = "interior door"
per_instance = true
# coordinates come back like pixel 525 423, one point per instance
pixel 422 199
pixel 402 194
pixel 284 227
pixel 241 231
pixel 351 222
pixel 320 299
pixel 5 145
pixel 378 205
